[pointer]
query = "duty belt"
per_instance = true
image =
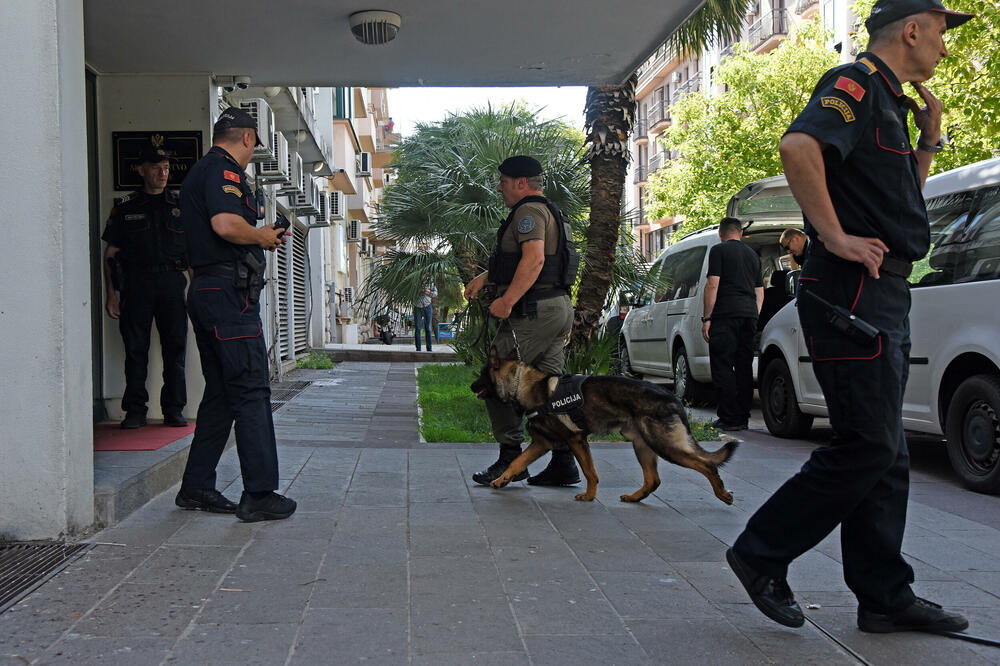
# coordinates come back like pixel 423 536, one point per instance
pixel 156 268
pixel 890 264
pixel 225 270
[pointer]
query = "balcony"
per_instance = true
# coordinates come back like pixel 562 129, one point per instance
pixel 765 33
pixel 803 6
pixel 657 116
pixel 639 134
pixel 656 162
pixel 691 85
pixel 640 175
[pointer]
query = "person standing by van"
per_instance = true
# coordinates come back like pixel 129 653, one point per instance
pixel 851 167
pixel 734 292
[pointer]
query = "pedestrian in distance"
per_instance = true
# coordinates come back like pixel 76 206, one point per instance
pixel 226 248
pixel 423 312
pixel 851 167
pixel 533 267
pixel 734 292
pixel 144 265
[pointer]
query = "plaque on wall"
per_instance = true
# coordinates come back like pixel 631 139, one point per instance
pixel 184 149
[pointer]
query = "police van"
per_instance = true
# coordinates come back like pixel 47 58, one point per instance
pixel 954 381
pixel 661 334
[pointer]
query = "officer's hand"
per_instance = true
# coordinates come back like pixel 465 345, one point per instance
pixel 472 289
pixel 112 306
pixel 867 251
pixel 270 238
pixel 500 309
pixel 704 330
pixel 928 118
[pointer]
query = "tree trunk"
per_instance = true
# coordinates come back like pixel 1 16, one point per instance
pixel 610 113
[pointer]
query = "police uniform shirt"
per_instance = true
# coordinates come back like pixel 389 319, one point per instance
pixel 216 184
pixel 860 112
pixel 738 268
pixel 147 230
pixel 532 221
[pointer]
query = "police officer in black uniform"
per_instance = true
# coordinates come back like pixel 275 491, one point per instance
pixel 145 262
pixel 226 249
pixel 851 167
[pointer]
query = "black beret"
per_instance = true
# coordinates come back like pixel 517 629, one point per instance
pixel 886 11
pixel 152 155
pixel 520 166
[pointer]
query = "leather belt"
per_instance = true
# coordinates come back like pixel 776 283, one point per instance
pixel 890 264
pixel 216 270
pixel 543 294
pixel 158 268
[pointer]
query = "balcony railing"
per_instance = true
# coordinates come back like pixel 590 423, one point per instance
pixel 802 6
pixel 656 162
pixel 766 27
pixel 657 113
pixel 640 174
pixel 639 131
pixel 691 85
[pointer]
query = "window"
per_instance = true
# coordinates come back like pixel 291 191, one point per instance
pixel 681 273
pixel 965 239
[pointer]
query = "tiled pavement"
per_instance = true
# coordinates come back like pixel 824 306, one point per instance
pixel 394 557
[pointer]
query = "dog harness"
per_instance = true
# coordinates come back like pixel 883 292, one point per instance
pixel 567 398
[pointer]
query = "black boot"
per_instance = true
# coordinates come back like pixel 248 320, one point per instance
pixel 561 471
pixel 491 473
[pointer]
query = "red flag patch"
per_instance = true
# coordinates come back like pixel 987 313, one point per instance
pixel 852 88
pixel 235 177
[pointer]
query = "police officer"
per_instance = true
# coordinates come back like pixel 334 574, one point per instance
pixel 852 169
pixel 794 242
pixel 226 249
pixel 144 262
pixel 530 267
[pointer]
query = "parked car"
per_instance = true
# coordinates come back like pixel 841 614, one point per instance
pixel 954 381
pixel 661 335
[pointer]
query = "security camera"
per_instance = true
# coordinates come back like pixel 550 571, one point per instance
pixel 243 82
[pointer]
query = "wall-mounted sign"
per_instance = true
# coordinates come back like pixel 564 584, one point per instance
pixel 184 149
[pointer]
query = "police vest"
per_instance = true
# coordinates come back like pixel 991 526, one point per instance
pixel 559 269
pixel 151 236
pixel 567 398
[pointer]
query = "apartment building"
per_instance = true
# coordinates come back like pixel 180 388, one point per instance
pixel 665 77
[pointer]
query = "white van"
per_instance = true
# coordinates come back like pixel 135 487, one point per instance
pixel 661 335
pixel 954 382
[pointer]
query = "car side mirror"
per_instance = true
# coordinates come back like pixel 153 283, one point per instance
pixel 792 283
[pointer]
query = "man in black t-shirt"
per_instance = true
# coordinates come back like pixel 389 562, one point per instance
pixel 733 296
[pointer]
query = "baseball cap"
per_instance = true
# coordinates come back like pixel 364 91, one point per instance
pixel 152 155
pixel 886 11
pixel 236 117
pixel 520 166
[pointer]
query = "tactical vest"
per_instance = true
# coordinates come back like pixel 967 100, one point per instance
pixel 559 269
pixel 152 233
pixel 567 398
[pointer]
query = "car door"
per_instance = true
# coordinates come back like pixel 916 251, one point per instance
pixel 646 331
pixel 638 325
pixel 684 306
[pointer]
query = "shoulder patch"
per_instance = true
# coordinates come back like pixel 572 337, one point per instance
pixel 128 197
pixel 525 224
pixel 866 66
pixel 230 175
pixel 232 189
pixel 852 88
pixel 840 105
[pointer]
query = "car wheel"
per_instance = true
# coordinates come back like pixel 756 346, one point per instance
pixel 624 364
pixel 685 386
pixel 973 431
pixel 779 404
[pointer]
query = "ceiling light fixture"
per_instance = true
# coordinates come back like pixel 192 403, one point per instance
pixel 318 166
pixel 375 26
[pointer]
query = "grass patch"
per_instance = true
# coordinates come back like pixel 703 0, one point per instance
pixel 453 413
pixel 314 361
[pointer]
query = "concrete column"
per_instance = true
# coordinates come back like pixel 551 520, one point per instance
pixel 47 470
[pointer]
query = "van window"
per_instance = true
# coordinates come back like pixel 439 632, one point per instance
pixel 964 248
pixel 681 271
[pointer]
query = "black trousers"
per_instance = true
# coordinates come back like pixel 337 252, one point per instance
pixel 730 352
pixel 147 297
pixel 861 480
pixel 237 387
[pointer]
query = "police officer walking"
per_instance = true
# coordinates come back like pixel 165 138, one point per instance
pixel 144 265
pixel 533 266
pixel 226 249
pixel 851 167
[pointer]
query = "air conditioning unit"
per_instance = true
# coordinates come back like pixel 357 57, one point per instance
pixel 276 171
pixel 260 111
pixel 348 294
pixel 323 206
pixel 677 76
pixel 364 247
pixel 354 231
pixel 337 206
pixel 364 164
pixel 296 176
pixel 371 251
pixel 307 202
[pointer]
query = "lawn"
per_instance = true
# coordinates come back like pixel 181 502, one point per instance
pixel 451 412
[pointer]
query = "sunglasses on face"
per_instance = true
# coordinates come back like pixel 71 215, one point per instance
pixel 784 246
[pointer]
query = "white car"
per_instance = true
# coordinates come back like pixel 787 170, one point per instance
pixel 661 335
pixel 954 381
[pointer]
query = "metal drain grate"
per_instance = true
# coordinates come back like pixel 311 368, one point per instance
pixel 26 565
pixel 282 392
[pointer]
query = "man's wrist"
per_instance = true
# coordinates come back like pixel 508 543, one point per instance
pixel 706 319
pixel 928 146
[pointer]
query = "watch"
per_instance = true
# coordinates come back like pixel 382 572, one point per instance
pixel 704 319
pixel 936 148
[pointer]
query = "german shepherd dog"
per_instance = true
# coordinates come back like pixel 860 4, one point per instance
pixel 652 418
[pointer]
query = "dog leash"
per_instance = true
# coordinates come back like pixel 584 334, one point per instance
pixel 517 347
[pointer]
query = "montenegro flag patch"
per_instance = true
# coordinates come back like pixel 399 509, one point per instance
pixel 852 88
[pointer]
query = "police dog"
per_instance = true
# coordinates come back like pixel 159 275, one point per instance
pixel 652 418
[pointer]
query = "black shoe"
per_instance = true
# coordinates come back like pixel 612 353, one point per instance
pixel 204 500
pixel 561 471
pixel 921 615
pixel 719 424
pixel 770 595
pixel 174 420
pixel 133 420
pixel 271 507
pixel 493 472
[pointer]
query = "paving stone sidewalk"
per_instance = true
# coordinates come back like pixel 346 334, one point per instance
pixel 395 557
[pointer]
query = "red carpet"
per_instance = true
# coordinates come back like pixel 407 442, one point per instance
pixel 111 437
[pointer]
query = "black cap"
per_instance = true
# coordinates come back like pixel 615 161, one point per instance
pixel 886 11
pixel 521 166
pixel 152 155
pixel 236 117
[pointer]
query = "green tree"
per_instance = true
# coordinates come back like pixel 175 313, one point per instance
pixel 967 82
pixel 729 139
